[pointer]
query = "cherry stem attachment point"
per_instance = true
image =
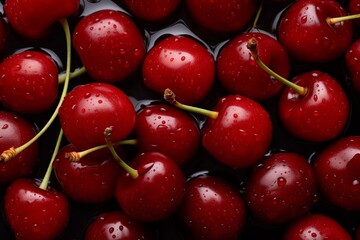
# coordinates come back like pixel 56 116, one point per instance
pixel 332 21
pixel 5 156
pixel 45 182
pixel 76 156
pixel 252 45
pixel 170 97
pixel 131 171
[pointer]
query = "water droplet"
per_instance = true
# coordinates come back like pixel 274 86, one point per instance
pixel 281 181
pixel 303 19
pixel 111 230
pixel 5 126
pixel 87 95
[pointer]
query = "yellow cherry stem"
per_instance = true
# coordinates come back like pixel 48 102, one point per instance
pixel 332 21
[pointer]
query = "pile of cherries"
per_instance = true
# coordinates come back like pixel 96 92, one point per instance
pixel 170 119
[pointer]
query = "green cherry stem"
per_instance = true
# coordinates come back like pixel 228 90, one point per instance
pixel 133 172
pixel 169 96
pixel 45 182
pixel 332 21
pixel 76 156
pixel 258 13
pixel 252 45
pixel 74 74
pixel 12 152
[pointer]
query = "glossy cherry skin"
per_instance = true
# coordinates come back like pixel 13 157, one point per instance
pixel 109 44
pixel 117 225
pixel 354 8
pixel 33 19
pixel 212 209
pixel 156 193
pixel 152 10
pixel 281 188
pixel 89 180
pixel 240 135
pixel 239 73
pixel 166 129
pixel 33 212
pixel 337 169
pixel 222 16
pixel 186 67
pixel 89 109
pixel 28 82
pixel 14 132
pixel 351 57
pixel 307 117
pixel 307 36
pixel 316 227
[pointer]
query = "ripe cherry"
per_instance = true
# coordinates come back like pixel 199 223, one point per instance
pixel 281 188
pixel 166 129
pixel 186 67
pixel 15 131
pixel 212 209
pixel 89 109
pixel 28 82
pixel 351 57
pixel 239 74
pixel 337 169
pixel 109 44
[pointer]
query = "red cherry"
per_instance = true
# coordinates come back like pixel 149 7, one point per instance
pixel 241 134
pixel 222 16
pixel 186 67
pixel 152 10
pixel 212 209
pixel 28 82
pixel 117 225
pixel 89 109
pixel 156 193
pixel 316 227
pixel 33 212
pixel 307 117
pixel 88 180
pixel 281 188
pixel 166 129
pixel 354 8
pixel 239 74
pixel 15 131
pixel 109 44
pixel 32 19
pixel 308 37
pixel 337 169
pixel 351 57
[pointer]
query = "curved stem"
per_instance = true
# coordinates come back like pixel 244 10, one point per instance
pixel 73 74
pixel 5 156
pixel 332 21
pixel 257 15
pixel 45 182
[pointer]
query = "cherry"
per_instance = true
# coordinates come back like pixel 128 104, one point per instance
pixel 156 192
pixel 308 36
pixel 316 227
pixel 33 19
pixel 116 225
pixel 337 170
pixel 281 188
pixel 354 8
pixel 15 131
pixel 29 82
pixel 305 106
pixel 166 129
pixel 186 67
pixel 109 44
pixel 351 58
pixel 90 108
pixel 222 16
pixel 238 73
pixel 88 180
pixel 33 212
pixel 212 209
pixel 152 10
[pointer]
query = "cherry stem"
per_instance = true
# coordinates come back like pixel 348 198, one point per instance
pixel 45 182
pixel 332 21
pixel 12 152
pixel 133 172
pixel 76 156
pixel 257 15
pixel 73 74
pixel 169 96
pixel 252 45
